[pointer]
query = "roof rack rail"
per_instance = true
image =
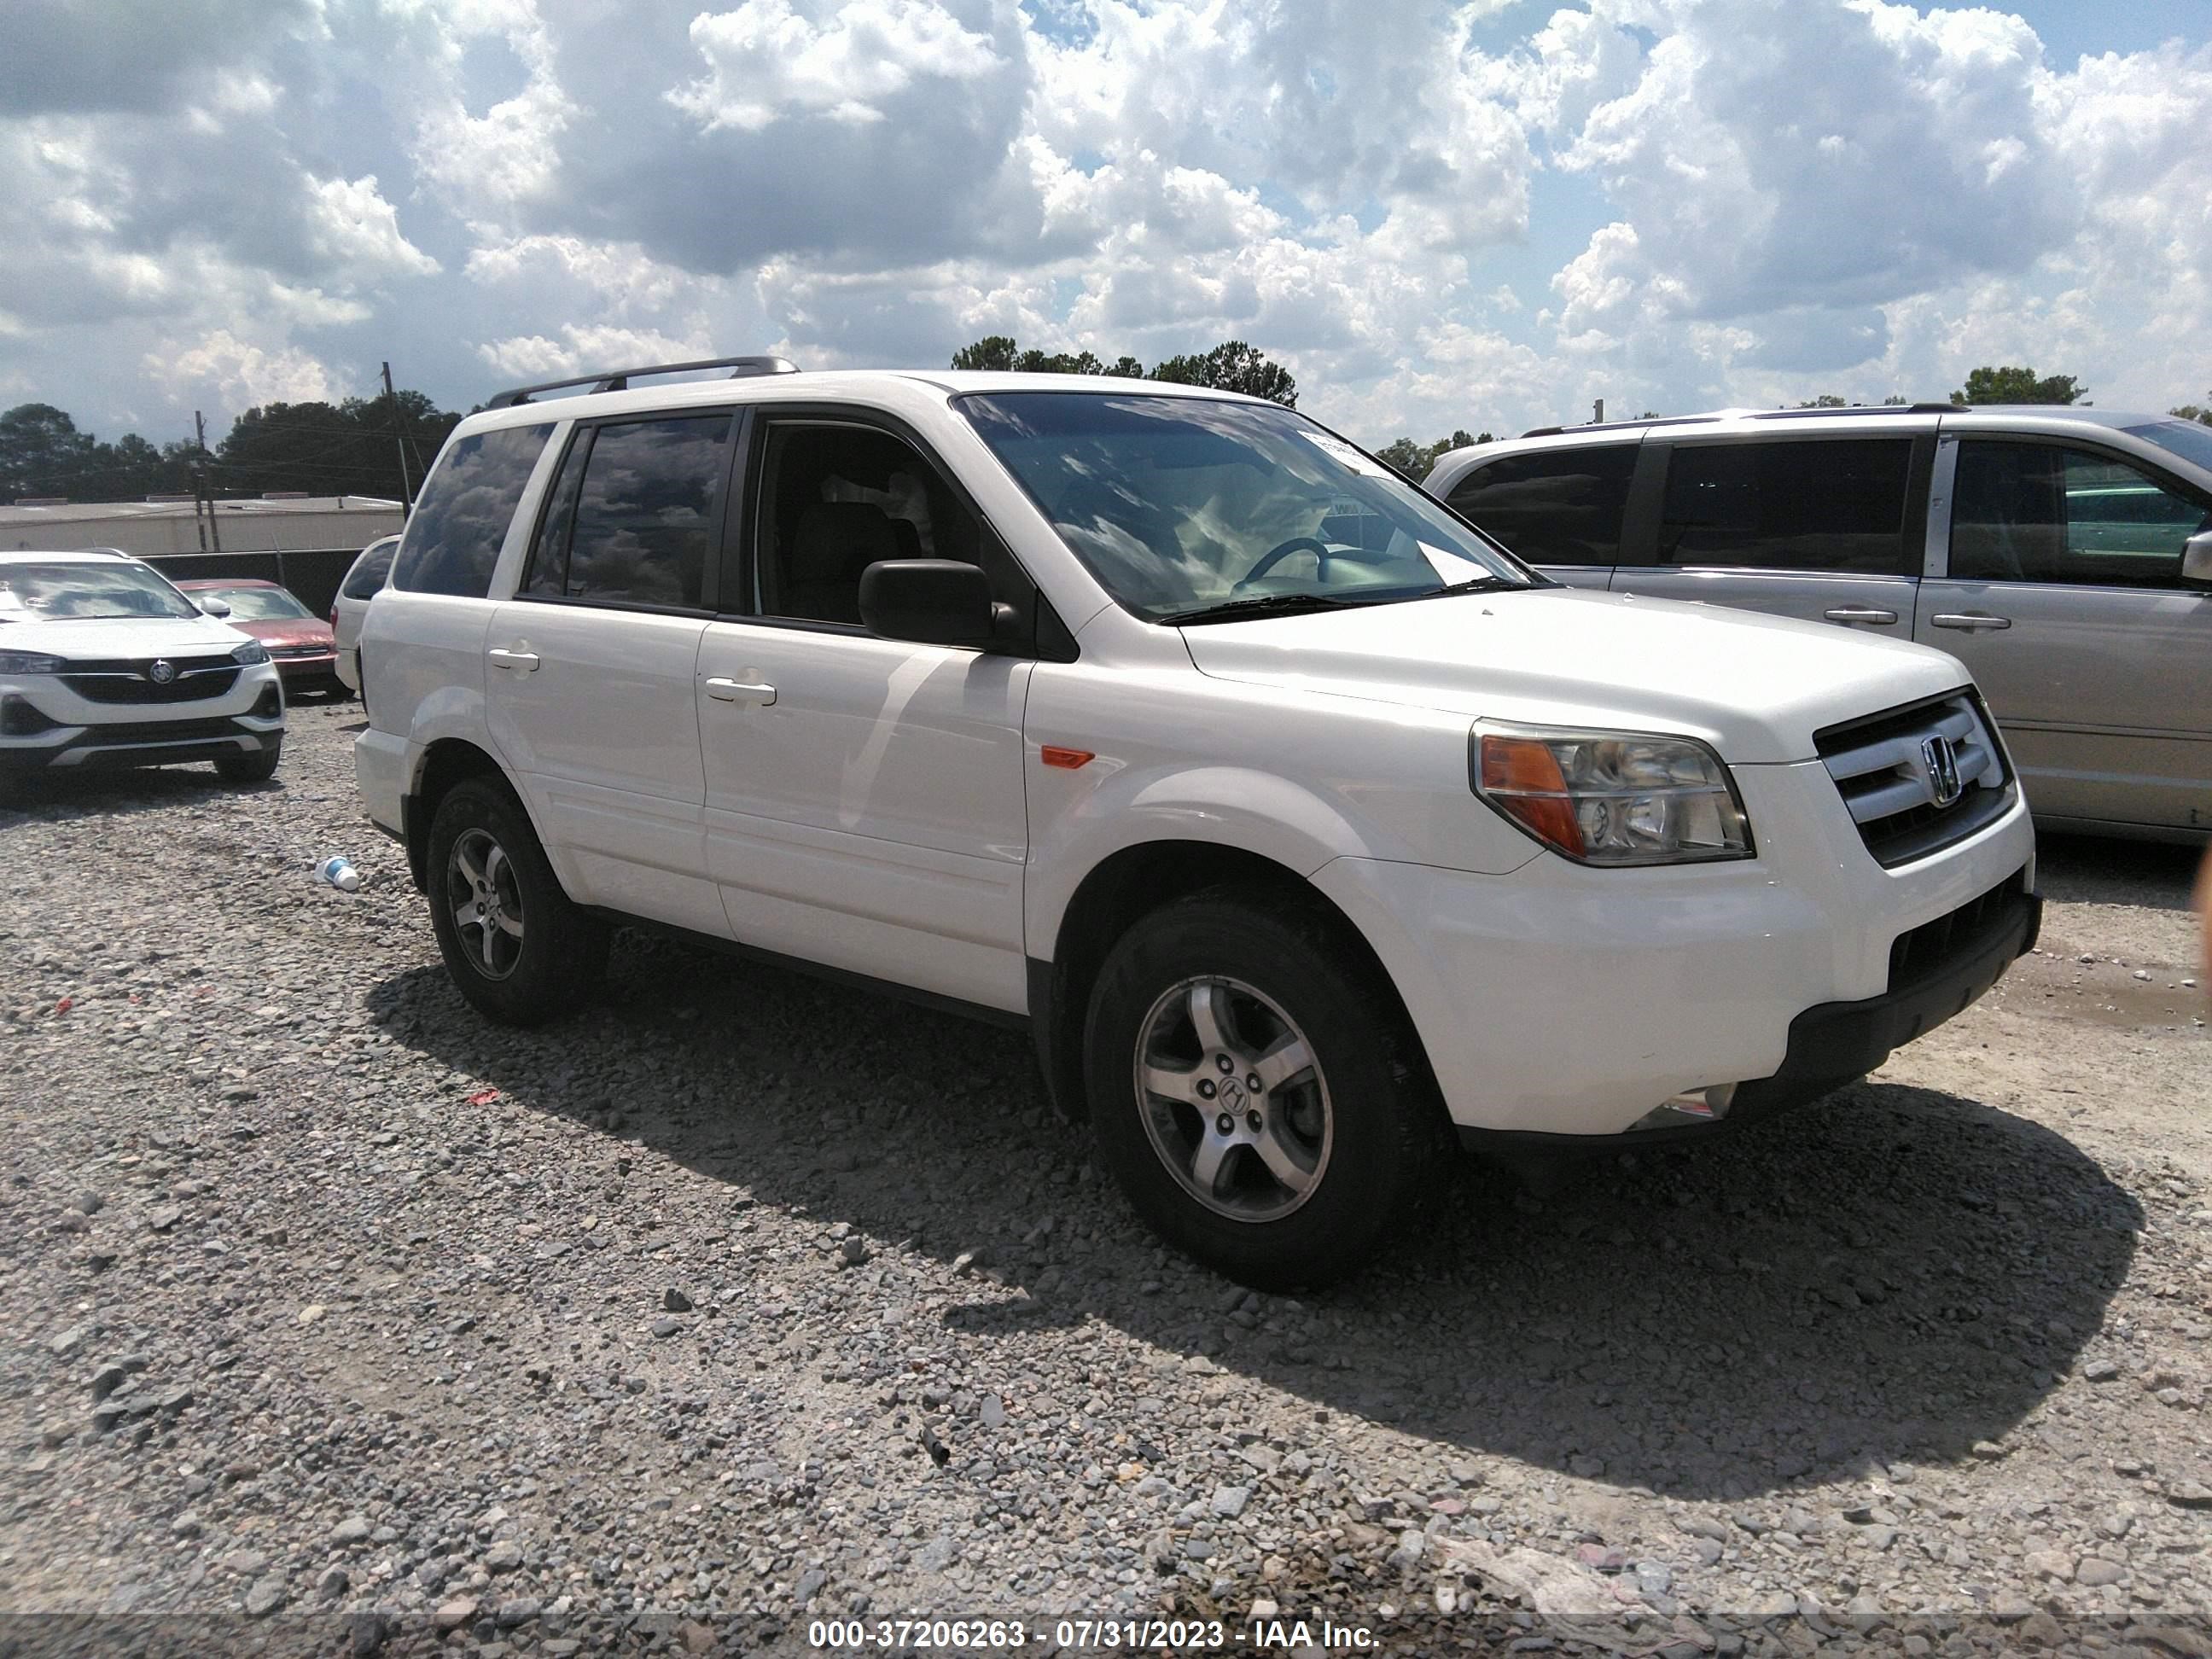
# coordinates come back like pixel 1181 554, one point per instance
pixel 618 380
pixel 1857 409
pixel 1622 426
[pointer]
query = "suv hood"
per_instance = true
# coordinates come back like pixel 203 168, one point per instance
pixel 124 637
pixel 1754 687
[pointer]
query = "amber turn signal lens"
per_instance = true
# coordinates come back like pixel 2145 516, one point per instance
pixel 1522 775
pixel 1066 759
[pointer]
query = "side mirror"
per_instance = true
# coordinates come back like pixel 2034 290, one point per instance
pixel 2196 557
pixel 213 607
pixel 929 601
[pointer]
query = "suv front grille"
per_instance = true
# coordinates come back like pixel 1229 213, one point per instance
pixel 1928 947
pixel 1894 770
pixel 123 680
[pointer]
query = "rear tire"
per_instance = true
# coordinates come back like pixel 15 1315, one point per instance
pixel 250 768
pixel 1300 1180
pixel 513 943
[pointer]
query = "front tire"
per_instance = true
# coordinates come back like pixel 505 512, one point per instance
pixel 513 943
pixel 250 768
pixel 1255 1091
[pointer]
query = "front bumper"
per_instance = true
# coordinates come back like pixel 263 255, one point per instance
pixel 1560 1000
pixel 319 669
pixel 1838 1043
pixel 76 734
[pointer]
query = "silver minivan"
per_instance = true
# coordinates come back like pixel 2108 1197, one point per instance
pixel 2063 554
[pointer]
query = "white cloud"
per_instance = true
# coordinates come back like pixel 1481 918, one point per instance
pixel 356 228
pixel 765 59
pixel 240 374
pixel 582 350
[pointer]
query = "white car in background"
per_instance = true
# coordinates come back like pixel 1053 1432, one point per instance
pixel 367 574
pixel 103 663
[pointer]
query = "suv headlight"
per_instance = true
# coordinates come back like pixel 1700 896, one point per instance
pixel 1613 798
pixel 31 662
pixel 250 653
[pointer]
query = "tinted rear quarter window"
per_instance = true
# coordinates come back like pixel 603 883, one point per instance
pixel 1554 505
pixel 368 574
pixel 453 541
pixel 1821 504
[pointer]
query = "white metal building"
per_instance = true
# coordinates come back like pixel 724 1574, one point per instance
pixel 275 523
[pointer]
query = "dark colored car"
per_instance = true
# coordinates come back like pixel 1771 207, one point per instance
pixel 300 642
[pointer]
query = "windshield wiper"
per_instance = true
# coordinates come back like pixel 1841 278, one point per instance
pixel 1261 605
pixel 1477 584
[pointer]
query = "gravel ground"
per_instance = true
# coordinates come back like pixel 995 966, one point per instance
pixel 742 1301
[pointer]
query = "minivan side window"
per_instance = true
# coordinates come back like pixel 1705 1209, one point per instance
pixel 1552 505
pixel 1813 504
pixel 633 516
pixel 2037 513
pixel 460 519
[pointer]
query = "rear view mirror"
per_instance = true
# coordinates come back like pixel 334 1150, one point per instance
pixel 930 601
pixel 214 607
pixel 2196 557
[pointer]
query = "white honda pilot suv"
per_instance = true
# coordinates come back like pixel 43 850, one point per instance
pixel 1302 827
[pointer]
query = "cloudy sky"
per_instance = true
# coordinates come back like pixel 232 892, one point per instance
pixel 1482 214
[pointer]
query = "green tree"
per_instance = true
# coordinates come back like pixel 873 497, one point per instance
pixel 1416 460
pixel 2195 411
pixel 1826 400
pixel 41 451
pixel 2012 385
pixel 992 351
pixel 1233 366
pixel 1894 400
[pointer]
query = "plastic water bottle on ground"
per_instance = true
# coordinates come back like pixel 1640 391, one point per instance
pixel 340 873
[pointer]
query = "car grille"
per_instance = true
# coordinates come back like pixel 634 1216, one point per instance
pixel 128 681
pixel 1928 947
pixel 286 652
pixel 1889 770
pixel 122 734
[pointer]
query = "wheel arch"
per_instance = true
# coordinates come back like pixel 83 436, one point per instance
pixel 444 764
pixel 1132 882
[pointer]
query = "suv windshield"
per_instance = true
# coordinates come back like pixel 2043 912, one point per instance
pixel 1186 506
pixel 88 592
pixel 258 603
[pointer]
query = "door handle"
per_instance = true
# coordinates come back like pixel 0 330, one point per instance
pixel 722 690
pixel 1859 613
pixel 1971 621
pixel 523 662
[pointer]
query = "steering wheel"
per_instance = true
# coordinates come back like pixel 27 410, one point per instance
pixel 1274 556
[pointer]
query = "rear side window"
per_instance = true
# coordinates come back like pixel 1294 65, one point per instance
pixel 635 514
pixel 1834 504
pixel 461 518
pixel 369 571
pixel 1554 505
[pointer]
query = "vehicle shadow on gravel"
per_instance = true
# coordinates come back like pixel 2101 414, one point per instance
pixel 54 799
pixel 1891 1273
pixel 2098 870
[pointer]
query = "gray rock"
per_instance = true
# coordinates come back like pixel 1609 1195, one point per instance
pixel 2096 1572
pixel 938 1554
pixel 993 1412
pixel 665 1327
pixel 1586 1467
pixel 265 1597
pixel 503 1556
pixel 675 1301
pixel 853 1252
pixel 809 1584
pixel 521 1610
pixel 451 1615
pixel 2100 1371
pixel 88 1203
pixel 354 1529
pixel 1229 1502
pixel 106 1380
pixel 333 1584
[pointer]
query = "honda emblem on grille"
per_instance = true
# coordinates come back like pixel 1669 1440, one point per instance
pixel 1940 757
pixel 162 671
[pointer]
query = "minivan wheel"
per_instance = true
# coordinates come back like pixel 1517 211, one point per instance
pixel 512 943
pixel 256 768
pixel 1252 1089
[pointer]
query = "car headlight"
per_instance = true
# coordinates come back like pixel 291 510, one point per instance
pixel 31 662
pixel 1613 798
pixel 250 653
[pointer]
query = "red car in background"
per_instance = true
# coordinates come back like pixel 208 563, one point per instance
pixel 300 642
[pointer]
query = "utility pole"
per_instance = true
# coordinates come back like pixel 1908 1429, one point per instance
pixel 406 489
pixel 204 490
